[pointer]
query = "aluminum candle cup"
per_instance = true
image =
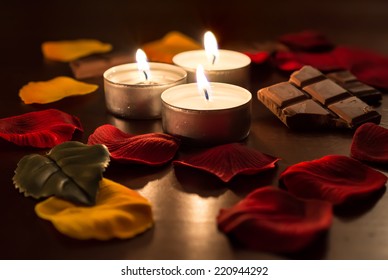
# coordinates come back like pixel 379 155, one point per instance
pixel 230 67
pixel 127 96
pixel 188 115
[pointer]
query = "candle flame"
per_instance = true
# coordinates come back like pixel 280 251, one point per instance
pixel 211 47
pixel 142 65
pixel 203 84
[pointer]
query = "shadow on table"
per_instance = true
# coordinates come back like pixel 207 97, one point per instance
pixel 92 249
pixel 316 250
pixel 135 176
pixel 205 184
pixel 355 208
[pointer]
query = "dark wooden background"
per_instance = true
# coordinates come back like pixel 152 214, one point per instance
pixel 185 202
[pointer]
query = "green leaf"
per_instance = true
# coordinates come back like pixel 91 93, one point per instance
pixel 71 170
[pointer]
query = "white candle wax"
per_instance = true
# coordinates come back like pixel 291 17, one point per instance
pixel 230 67
pixel 128 74
pixel 226 118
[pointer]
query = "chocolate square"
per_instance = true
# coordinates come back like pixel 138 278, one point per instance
pixel 305 76
pixel 363 91
pixel 342 77
pixel 353 111
pixel 284 94
pixel 326 91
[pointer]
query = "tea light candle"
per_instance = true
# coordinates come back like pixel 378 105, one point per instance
pixel 133 90
pixel 220 65
pixel 209 114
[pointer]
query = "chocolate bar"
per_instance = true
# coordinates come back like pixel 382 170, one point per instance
pixel 311 100
pixel 96 65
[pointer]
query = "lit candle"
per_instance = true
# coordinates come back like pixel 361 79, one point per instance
pixel 133 90
pixel 220 65
pixel 207 113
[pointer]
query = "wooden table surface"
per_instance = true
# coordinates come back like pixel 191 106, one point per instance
pixel 185 203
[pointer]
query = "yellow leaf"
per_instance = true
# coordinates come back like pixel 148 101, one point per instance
pixel 119 213
pixel 172 43
pixel 53 90
pixel 69 50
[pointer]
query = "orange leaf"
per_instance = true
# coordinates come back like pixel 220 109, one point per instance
pixel 172 43
pixel 53 90
pixel 66 51
pixel 119 213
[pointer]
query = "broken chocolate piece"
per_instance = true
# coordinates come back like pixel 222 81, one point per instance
pixel 322 103
pixel 305 76
pixel 349 82
pixel 307 113
pixel 354 111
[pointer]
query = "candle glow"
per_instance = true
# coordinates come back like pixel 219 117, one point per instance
pixel 211 47
pixel 142 65
pixel 203 84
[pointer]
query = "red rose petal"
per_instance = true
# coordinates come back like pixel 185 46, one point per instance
pixel 42 129
pixel 273 220
pixel 308 40
pixel 151 149
pixel 368 67
pixel 327 61
pixel 258 57
pixel 229 160
pixel 333 178
pixel 374 74
pixel 370 143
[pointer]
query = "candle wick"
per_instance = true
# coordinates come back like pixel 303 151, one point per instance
pixel 145 74
pixel 206 94
pixel 214 59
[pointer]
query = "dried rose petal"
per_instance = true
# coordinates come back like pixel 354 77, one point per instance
pixel 368 67
pixel 54 90
pixel 370 143
pixel 151 149
pixel 326 61
pixel 164 49
pixel 119 213
pixel 69 50
pixel 258 57
pixel 287 61
pixel 229 160
pixel 308 40
pixel 273 220
pixel 42 129
pixel 333 178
